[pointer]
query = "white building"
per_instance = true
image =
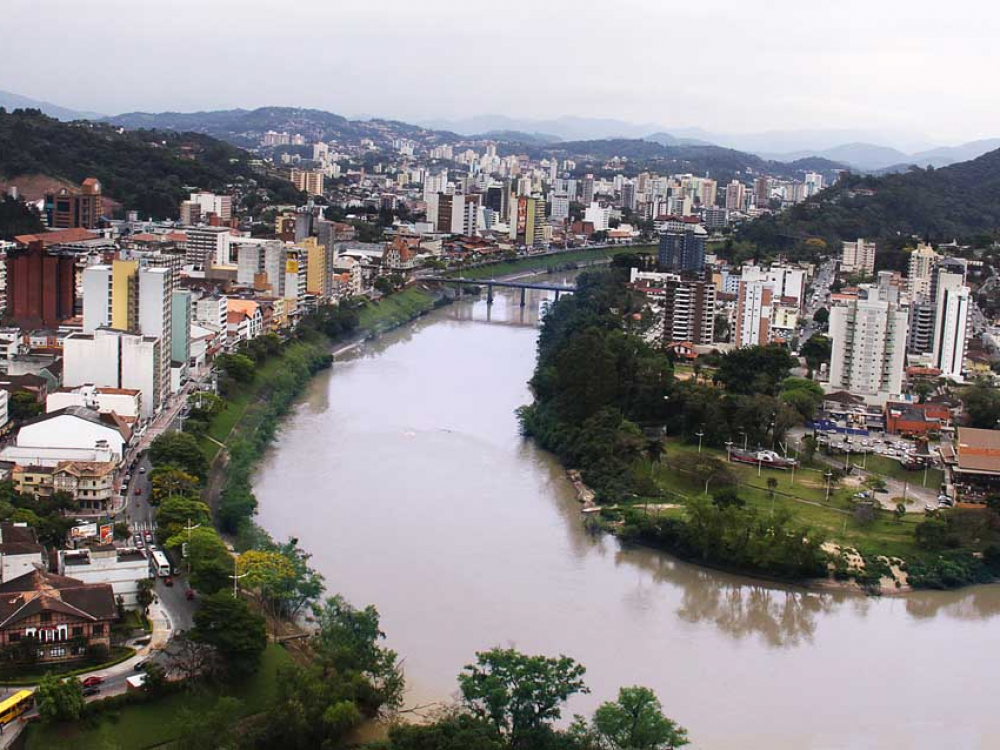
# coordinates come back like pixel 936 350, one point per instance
pixel 212 310
pixel 560 206
pixel 753 314
pixel 920 270
pixel 869 346
pixel 788 282
pixel 75 428
pixel 598 215
pixel 951 324
pixel 261 264
pixel 124 402
pixel 20 551
pixel 210 203
pixel 208 246
pixel 115 359
pixel 122 568
pixel 858 257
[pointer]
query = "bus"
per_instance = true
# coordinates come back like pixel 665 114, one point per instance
pixel 159 564
pixel 16 705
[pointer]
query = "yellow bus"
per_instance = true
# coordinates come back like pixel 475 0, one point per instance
pixel 16 705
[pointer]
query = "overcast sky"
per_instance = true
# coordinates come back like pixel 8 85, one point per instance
pixel 892 66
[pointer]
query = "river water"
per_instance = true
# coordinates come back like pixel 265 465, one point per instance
pixel 403 472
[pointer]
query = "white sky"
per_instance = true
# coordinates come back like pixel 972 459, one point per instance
pixel 892 66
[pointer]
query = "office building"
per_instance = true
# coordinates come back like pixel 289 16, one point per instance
pixel 869 337
pixel 560 207
pixel 858 257
pixel 682 250
pixel 628 196
pixel 69 208
pixel 587 190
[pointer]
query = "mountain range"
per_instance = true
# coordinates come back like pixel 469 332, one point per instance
pixel 11 101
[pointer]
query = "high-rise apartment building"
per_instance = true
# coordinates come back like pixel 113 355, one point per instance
pixel 628 196
pixel 788 283
pixel 688 311
pixel 753 314
pixel 527 221
pixel 869 337
pixel 920 270
pixel 261 265
pixel 952 303
pixel 587 190
pixel 210 203
pixel 116 359
pixel 560 206
pixel 735 196
pixel 682 250
pixel 181 318
pixel 858 257
pixel 307 180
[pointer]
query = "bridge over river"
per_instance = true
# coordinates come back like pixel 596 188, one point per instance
pixel 524 286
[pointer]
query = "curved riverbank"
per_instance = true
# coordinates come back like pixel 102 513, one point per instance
pixel 403 471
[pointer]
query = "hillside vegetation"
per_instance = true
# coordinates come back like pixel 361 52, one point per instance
pixel 960 201
pixel 148 171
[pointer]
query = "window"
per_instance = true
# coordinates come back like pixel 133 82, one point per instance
pixel 97 630
pixel 15 637
pixel 77 631
pixel 46 617
pixel 57 651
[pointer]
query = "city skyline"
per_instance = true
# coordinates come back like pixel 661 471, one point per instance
pixel 788 68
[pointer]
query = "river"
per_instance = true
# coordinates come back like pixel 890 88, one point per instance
pixel 403 472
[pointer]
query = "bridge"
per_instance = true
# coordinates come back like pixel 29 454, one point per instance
pixel 524 286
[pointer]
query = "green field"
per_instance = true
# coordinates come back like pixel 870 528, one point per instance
pixel 158 722
pixel 545 263
pixel 889 467
pixel 806 498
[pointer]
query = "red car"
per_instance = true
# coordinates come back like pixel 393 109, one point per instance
pixel 138 490
pixel 189 594
pixel 92 681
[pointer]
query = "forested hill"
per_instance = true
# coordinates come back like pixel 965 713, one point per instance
pixel 954 202
pixel 149 171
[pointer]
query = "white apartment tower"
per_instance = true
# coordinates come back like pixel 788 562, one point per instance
pixel 869 346
pixel 753 314
pixel 921 270
pixel 951 324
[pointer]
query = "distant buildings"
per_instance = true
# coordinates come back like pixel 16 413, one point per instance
pixel 307 180
pixel 41 286
pixel 208 246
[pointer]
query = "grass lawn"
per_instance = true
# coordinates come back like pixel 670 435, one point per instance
pixel 29 675
pixel 547 262
pixel 806 498
pixel 150 724
pixel 889 467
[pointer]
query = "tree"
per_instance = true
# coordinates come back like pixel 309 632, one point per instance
pixel 210 561
pixel 24 405
pixel 454 732
pixel 175 514
pixel 349 641
pixel 900 511
pixel 982 405
pixel 59 700
pixel 269 575
pixel 383 285
pixel 209 729
pixel 144 597
pixel 238 367
pixel 636 722
pixel 121 531
pixel 821 316
pixel 519 694
pixel 817 350
pixel 179 450
pixel 169 481
pixel 754 369
pixel 228 625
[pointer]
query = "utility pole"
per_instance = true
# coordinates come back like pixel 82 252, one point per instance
pixel 828 475
pixel 700 434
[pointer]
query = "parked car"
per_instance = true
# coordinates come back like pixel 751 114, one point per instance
pixel 168 581
pixel 93 680
pixel 142 469
pixel 148 536
pixel 189 594
pixel 138 490
pixel 140 666
pixel 138 541
pixel 92 690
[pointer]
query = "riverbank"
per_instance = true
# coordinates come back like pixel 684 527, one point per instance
pixel 549 262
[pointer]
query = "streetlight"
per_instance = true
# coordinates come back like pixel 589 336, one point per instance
pixel 235 576
pixel 847 461
pixel 187 547
pixel 700 434
pixel 828 475
pixel 729 450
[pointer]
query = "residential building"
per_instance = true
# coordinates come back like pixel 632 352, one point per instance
pixel 560 206
pixel 308 181
pixel 858 257
pixel 921 270
pixel 753 314
pixel 735 196
pixel 244 319
pixel 261 265
pixel 682 250
pixel 181 319
pixel 211 309
pixel 527 223
pixel 587 190
pixel 951 328
pixel 599 215
pixel 210 203
pixel 20 551
pixel 124 402
pixel 788 283
pixel 869 337
pixel 61 617
pixel 688 311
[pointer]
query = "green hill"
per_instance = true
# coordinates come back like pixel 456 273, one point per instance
pixel 954 202
pixel 145 170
